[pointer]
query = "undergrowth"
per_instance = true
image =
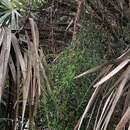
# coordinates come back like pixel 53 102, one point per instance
pixel 62 109
pixel 69 95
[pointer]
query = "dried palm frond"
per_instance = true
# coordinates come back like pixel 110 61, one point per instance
pixel 111 88
pixel 124 120
pixel 4 56
pixel 23 66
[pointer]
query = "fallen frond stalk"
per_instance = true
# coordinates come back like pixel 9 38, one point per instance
pixel 124 120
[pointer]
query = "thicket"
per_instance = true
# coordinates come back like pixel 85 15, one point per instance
pixel 64 106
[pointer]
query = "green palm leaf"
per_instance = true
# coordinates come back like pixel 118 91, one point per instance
pixel 9 14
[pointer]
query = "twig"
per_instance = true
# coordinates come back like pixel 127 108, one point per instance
pixel 77 18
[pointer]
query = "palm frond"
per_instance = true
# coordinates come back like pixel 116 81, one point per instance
pixel 113 83
pixel 25 67
pixel 4 57
pixel 9 14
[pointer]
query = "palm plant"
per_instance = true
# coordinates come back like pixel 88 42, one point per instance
pixel 10 10
pixel 9 13
pixel 19 69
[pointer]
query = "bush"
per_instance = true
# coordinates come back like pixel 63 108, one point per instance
pixel 64 106
pixel 69 95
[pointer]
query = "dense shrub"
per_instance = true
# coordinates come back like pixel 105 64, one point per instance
pixel 69 96
pixel 62 108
